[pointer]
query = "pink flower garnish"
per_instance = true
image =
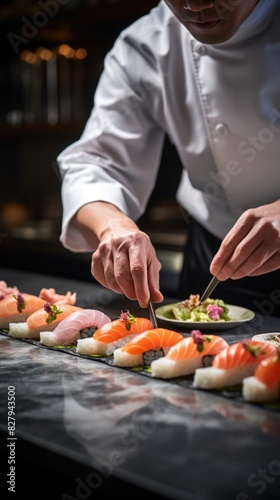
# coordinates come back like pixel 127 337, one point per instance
pixel 52 311
pixel 199 339
pixel 21 302
pixel 214 312
pixel 47 308
pixel 124 315
pixel 127 318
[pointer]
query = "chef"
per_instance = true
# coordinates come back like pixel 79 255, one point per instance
pixel 207 75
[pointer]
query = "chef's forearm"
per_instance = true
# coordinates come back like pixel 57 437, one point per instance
pixel 97 219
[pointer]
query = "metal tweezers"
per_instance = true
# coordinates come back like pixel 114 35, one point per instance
pixel 209 289
pixel 152 314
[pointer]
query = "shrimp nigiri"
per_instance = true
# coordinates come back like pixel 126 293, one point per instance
pixel 233 364
pixel 264 385
pixel 73 327
pixel 17 307
pixel 113 335
pixel 6 291
pixel 46 318
pixel 50 295
pixel 146 347
pixel 185 356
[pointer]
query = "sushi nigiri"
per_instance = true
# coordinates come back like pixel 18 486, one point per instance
pixel 6 291
pixel 264 385
pixel 73 327
pixel 17 307
pixel 49 295
pixel 113 335
pixel 146 347
pixel 46 318
pixel 184 357
pixel 233 364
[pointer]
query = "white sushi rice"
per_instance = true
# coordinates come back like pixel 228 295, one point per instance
pixel 50 339
pixel 256 391
pixel 91 346
pixel 170 368
pixel 122 358
pixel 18 330
pixel 21 330
pixel 213 378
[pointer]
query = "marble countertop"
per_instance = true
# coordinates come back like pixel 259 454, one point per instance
pixel 172 441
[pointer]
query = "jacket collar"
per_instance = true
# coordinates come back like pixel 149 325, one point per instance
pixel 256 22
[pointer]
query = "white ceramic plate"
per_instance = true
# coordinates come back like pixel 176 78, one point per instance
pixel 268 337
pixel 238 316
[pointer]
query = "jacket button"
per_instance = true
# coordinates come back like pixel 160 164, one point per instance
pixel 201 50
pixel 221 129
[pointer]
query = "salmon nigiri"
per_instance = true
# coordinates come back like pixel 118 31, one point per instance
pixel 113 335
pixel 233 364
pixel 264 385
pixel 184 357
pixel 74 326
pixel 17 307
pixel 146 347
pixel 46 318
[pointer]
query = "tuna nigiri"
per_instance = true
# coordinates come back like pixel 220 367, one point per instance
pixel 146 347
pixel 185 356
pixel 113 335
pixel 16 308
pixel 46 318
pixel 73 326
pixel 233 364
pixel 264 385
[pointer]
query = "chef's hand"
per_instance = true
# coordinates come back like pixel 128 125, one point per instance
pixel 252 246
pixel 125 260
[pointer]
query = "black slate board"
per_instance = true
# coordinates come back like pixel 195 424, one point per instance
pixel 233 393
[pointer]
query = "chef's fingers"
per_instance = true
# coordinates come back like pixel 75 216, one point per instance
pixel 244 259
pixel 102 269
pixel 146 282
pixel 137 272
pixel 128 265
pixel 246 255
pixel 271 264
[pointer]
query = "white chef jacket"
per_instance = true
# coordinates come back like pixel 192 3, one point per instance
pixel 218 104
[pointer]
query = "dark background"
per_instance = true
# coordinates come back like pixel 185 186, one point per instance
pixel 39 117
